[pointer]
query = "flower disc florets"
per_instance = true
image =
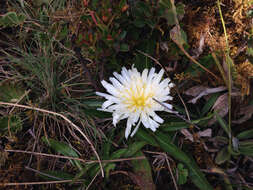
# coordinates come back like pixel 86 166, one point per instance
pixel 135 96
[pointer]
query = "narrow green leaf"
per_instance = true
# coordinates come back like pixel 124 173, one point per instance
pixel 64 149
pixel 118 153
pixel 134 147
pixel 108 168
pixel 144 136
pixel 143 172
pixel 245 134
pixel 174 126
pixel 222 123
pixel 209 104
pixel 55 175
pixel 202 119
pixel 166 144
pixel 195 174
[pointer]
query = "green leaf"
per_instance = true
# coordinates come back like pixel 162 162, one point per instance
pixel 63 149
pixel 245 134
pixel 250 51
pixel 182 174
pixel 178 35
pixel 10 92
pixel 96 113
pixel 165 3
pixel 143 8
pixel 139 22
pixel 134 147
pixel 108 168
pixel 143 135
pixel 122 3
pixel 195 70
pixel 174 126
pixel 182 111
pixel 118 153
pixel 122 35
pixel 124 47
pixel 195 174
pixel 14 122
pixel 151 23
pixel 203 119
pixel 56 175
pixel 11 19
pixel 93 103
pixel 222 123
pixel 209 104
pixel 143 172
pixel 168 13
pixel 169 147
pixel 222 156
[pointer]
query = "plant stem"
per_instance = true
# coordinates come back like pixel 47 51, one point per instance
pixel 228 62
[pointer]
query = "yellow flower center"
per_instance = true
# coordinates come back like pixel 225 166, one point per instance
pixel 135 99
pixel 138 101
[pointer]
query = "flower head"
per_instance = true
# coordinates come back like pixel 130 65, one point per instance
pixel 135 96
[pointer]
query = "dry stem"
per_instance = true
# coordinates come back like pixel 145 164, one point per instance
pixel 66 119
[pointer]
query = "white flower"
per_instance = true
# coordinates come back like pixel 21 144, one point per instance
pixel 134 96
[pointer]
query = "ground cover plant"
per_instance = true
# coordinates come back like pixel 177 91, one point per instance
pixel 178 115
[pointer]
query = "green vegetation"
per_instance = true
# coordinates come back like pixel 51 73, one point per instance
pixel 53 55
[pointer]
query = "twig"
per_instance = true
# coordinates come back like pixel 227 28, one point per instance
pixel 42 173
pixel 78 159
pixel 25 94
pixel 39 183
pixel 173 178
pixel 229 81
pixel 176 113
pixel 153 59
pixel 182 48
pixel 92 181
pixel 66 119
pixel 194 61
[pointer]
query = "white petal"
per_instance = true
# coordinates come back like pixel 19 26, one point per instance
pixel 109 97
pixel 164 83
pixel 116 83
pixel 168 106
pixel 105 110
pixel 171 85
pixel 125 74
pixel 117 117
pixel 151 74
pixel 106 104
pixel 159 76
pixel 128 128
pixel 120 78
pixel 144 120
pixel 156 117
pixel 136 129
pixel 153 124
pixel 144 75
pixel 164 98
pixel 110 88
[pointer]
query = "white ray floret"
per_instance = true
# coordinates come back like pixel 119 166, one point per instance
pixel 132 95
